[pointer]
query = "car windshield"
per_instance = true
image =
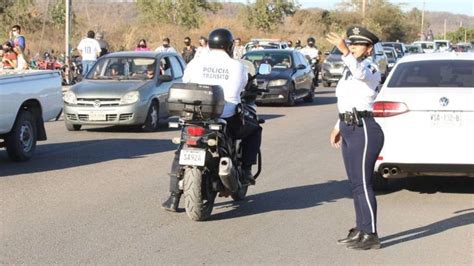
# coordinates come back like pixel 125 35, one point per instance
pixel 134 68
pixel 427 45
pixel 434 73
pixel 276 60
pixel 413 49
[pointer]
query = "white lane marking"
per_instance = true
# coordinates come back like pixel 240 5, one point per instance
pixel 363 176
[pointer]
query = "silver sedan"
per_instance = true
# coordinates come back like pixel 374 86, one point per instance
pixel 125 88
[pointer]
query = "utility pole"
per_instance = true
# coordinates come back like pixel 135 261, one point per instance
pixel 68 29
pixel 363 8
pixel 422 19
pixel 445 29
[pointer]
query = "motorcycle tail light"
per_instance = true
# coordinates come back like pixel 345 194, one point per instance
pixel 195 131
pixel 387 109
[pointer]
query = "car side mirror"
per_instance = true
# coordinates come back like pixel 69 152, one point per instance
pixel 301 66
pixel 165 78
pixel 264 69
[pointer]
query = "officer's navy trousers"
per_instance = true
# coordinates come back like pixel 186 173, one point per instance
pixel 361 146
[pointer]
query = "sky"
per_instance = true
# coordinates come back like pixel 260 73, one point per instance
pixel 465 7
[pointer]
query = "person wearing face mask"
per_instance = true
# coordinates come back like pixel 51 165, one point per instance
pixel 141 46
pixel 188 51
pixel 356 131
pixel 16 39
pixel 166 47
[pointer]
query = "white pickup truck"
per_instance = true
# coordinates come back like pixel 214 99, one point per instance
pixel 27 99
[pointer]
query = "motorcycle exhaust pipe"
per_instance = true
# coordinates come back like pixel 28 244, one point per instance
pixel 228 174
pixel 385 172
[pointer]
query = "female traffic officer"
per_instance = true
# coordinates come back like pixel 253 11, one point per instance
pixel 357 132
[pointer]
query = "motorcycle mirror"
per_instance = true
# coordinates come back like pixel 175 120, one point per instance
pixel 265 69
pixel 326 53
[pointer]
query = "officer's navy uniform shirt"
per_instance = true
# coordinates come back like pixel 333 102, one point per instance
pixel 217 68
pixel 358 85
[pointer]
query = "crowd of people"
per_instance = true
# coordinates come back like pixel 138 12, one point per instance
pixel 93 46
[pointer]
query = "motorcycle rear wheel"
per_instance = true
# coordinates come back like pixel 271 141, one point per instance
pixel 198 195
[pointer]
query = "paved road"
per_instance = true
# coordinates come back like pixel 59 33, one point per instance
pixel 93 197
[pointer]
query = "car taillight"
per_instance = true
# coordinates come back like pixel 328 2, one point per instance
pixel 195 131
pixel 386 109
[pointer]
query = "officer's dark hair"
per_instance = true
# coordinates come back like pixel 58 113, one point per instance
pixel 311 39
pixel 221 39
pixel 90 34
pixel 166 39
pixel 187 38
pixel 16 27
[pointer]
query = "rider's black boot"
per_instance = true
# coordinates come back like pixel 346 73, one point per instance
pixel 172 203
pixel 247 175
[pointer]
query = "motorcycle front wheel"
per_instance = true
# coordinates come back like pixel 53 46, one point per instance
pixel 198 195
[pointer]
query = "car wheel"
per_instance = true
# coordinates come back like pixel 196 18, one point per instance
pixel 21 141
pixel 290 99
pixel 72 127
pixel 152 118
pixel 310 97
pixel 379 183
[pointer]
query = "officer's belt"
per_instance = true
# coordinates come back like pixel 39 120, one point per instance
pixel 349 117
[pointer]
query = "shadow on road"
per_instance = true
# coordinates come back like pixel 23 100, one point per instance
pixel 285 199
pixel 432 184
pixel 269 116
pixel 58 156
pixel 430 229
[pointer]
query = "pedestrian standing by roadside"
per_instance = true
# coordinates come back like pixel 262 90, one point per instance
pixel 298 45
pixel 16 39
pixel 104 46
pixel 238 50
pixel 357 132
pixel 165 47
pixel 142 46
pixel 290 45
pixel 9 59
pixel 89 49
pixel 203 47
pixel 188 51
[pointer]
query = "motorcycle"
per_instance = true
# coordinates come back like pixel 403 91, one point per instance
pixel 209 158
pixel 314 63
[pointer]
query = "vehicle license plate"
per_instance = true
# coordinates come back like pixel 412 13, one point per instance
pixel 195 157
pixel 445 119
pixel 93 116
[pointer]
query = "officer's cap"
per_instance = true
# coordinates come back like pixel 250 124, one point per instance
pixel 361 35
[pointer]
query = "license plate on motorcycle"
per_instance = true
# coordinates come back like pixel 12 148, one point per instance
pixel 194 157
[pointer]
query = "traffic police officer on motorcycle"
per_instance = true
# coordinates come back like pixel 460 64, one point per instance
pixel 357 132
pixel 218 68
pixel 312 55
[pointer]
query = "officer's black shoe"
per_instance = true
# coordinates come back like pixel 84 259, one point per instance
pixel 366 241
pixel 172 203
pixel 353 236
pixel 248 176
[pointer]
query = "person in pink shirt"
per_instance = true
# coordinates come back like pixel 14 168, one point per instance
pixel 141 46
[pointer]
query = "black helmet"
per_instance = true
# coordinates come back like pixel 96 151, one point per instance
pixel 311 40
pixel 221 39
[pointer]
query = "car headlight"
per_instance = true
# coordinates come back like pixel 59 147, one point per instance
pixel 70 98
pixel 277 82
pixel 130 97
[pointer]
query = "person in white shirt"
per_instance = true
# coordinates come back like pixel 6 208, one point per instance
pixel 357 132
pixel 238 50
pixel 89 49
pixel 218 68
pixel 312 54
pixel 165 47
pixel 203 47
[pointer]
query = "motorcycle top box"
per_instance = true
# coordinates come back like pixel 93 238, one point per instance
pixel 191 101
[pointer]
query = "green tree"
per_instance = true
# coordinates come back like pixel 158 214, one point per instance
pixel 265 15
pixel 21 12
pixel 458 35
pixel 179 12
